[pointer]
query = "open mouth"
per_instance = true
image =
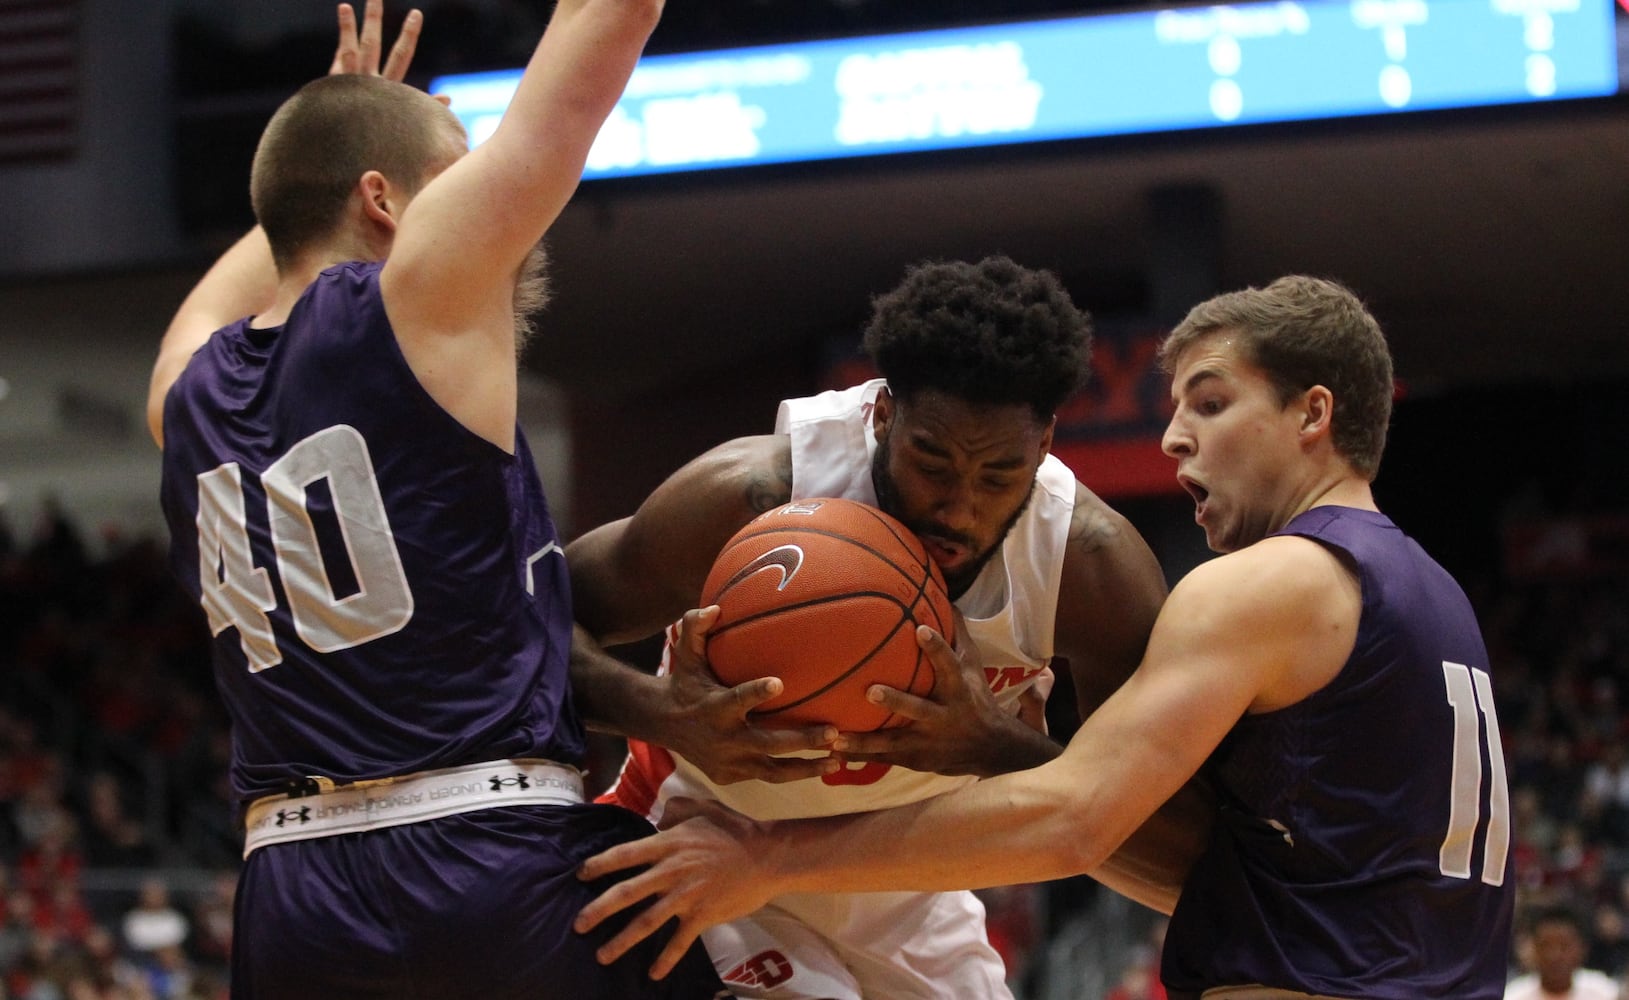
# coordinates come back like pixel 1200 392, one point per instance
pixel 1199 493
pixel 944 552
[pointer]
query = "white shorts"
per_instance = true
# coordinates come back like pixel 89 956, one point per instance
pixel 861 946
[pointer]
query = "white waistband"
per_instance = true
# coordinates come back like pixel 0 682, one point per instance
pixel 374 805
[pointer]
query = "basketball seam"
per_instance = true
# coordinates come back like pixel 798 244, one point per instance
pixel 845 675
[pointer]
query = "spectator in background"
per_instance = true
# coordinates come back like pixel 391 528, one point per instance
pixel 111 837
pixel 51 854
pixel 34 976
pixel 153 923
pixel 63 912
pixel 107 969
pixel 1556 946
pixel 16 926
pixel 169 973
pixel 212 921
pixel 1141 980
pixel 1609 946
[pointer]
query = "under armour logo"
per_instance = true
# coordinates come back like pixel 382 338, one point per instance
pixel 767 968
pixel 519 781
pixel 300 815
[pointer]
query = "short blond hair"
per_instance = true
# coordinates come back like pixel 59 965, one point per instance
pixel 331 132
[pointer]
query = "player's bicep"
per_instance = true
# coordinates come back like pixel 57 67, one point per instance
pixel 636 576
pixel 1109 595
pixel 168 368
pixel 463 238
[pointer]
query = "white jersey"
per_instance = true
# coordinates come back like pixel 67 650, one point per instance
pixel 900 945
pixel 1587 984
pixel 1009 612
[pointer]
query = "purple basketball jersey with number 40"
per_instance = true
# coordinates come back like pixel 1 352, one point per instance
pixel 386 590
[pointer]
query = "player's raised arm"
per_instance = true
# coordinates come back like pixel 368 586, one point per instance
pixel 449 282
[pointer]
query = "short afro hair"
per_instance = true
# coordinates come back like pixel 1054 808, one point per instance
pixel 990 333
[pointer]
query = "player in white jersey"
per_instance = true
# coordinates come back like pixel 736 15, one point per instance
pixel 954 441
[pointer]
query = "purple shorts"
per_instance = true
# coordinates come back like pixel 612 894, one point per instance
pixel 478 904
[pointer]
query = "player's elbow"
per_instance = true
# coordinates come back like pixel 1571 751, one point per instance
pixel 639 12
pixel 1082 845
pixel 157 391
pixel 636 15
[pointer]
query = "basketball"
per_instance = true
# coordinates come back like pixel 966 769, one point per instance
pixel 825 594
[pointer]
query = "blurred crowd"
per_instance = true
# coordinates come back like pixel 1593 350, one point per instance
pixel 116 849
pixel 117 852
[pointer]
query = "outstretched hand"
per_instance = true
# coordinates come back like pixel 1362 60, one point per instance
pixel 704 871
pixel 714 729
pixel 957 728
pixel 359 49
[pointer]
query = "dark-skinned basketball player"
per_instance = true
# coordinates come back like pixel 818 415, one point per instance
pixel 954 441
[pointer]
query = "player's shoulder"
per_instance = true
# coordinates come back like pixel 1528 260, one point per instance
pixel 1265 583
pixel 746 457
pixel 744 476
pixel 1099 533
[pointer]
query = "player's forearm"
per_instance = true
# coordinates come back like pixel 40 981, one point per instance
pixel 575 77
pixel 242 282
pixel 613 697
pixel 1022 827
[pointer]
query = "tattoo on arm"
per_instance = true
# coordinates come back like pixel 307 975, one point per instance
pixel 1090 529
pixel 766 491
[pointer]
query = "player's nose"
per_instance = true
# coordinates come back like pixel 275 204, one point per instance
pixel 1176 441
pixel 955 510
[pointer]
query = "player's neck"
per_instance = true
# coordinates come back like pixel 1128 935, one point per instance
pixel 293 280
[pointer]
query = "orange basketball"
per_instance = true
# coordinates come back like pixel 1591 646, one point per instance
pixel 825 594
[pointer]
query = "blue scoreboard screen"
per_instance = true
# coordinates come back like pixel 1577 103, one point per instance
pixel 1120 73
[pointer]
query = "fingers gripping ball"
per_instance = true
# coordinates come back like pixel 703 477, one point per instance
pixel 825 594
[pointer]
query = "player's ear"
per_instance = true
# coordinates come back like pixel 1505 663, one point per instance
pixel 378 198
pixel 882 414
pixel 1317 413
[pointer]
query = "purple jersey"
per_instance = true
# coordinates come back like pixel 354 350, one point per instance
pixel 1362 848
pixel 386 589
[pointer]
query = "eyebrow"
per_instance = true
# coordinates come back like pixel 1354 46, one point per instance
pixel 1195 380
pixel 922 443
